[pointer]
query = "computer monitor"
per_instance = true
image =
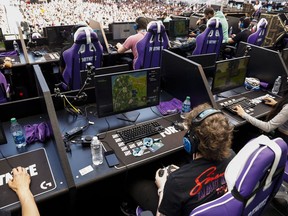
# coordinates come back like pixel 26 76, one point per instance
pixel 127 91
pixel 178 28
pixel 122 30
pixel 182 77
pixel 103 70
pixel 265 64
pixel 229 74
pixel 59 36
pixel 205 60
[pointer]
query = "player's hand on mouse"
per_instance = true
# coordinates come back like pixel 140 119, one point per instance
pixel 239 110
pixel 160 178
pixel 270 101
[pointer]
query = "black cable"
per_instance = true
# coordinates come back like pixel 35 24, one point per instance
pixel 6 159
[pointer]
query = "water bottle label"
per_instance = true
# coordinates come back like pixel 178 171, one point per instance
pixel 18 138
pixel 186 108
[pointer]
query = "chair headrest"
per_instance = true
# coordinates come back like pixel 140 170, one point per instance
pixel 155 25
pixel 213 22
pixel 262 23
pixel 83 33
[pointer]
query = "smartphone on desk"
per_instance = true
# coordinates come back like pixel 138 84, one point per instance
pixel 111 158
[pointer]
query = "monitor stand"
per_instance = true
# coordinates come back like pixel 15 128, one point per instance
pixel 131 116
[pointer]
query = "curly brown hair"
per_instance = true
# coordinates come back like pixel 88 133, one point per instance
pixel 214 133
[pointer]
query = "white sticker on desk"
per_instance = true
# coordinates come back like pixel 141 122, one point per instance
pixel 86 170
pixel 118 140
pixel 115 136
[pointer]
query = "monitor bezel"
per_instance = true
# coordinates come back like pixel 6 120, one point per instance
pixel 97 92
pixel 228 88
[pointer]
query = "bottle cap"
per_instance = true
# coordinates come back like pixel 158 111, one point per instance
pixel 13 120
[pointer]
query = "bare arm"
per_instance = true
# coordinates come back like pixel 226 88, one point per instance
pixel 20 184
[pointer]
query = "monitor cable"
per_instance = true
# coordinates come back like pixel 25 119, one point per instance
pixel 80 96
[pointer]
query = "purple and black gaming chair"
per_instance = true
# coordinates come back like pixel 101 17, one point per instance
pixel 86 49
pixel 210 40
pixel 150 48
pixel 4 88
pixel 258 37
pixel 253 178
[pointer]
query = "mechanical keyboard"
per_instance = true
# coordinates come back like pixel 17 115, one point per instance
pixel 247 104
pixel 140 131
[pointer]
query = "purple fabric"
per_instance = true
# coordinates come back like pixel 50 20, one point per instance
pixel 150 48
pixel 255 168
pixel 4 88
pixel 168 107
pixel 37 132
pixel 8 53
pixel 76 59
pixel 210 40
pixel 258 37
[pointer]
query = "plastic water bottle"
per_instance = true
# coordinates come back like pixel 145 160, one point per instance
pixel 17 133
pixel 16 47
pixel 276 86
pixel 96 151
pixel 230 30
pixel 186 107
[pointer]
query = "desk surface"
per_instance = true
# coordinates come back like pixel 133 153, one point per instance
pixel 260 110
pixel 9 150
pixel 80 157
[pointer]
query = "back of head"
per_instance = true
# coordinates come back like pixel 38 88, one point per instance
pixel 141 23
pixel 213 131
pixel 245 22
pixel 208 11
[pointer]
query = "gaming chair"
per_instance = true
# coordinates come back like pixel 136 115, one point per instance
pixel 258 37
pixel 4 88
pixel 150 48
pixel 253 178
pixel 210 40
pixel 86 49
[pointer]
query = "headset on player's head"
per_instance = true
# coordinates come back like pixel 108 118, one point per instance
pixel 190 139
pixel 141 23
pixel 245 22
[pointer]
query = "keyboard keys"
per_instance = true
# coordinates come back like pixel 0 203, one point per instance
pixel 140 131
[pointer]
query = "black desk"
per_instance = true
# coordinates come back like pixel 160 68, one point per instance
pixel 260 110
pixel 9 150
pixel 80 157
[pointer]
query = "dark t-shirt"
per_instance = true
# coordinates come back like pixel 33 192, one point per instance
pixel 241 36
pixel 193 184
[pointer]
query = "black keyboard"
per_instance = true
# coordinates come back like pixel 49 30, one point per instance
pixel 243 101
pixel 140 131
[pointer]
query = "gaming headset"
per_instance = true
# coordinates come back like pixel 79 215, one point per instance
pixel 190 139
pixel 244 22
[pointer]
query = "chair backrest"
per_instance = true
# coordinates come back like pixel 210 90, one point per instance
pixel 258 37
pixel 150 48
pixel 86 49
pixel 4 88
pixel 210 40
pixel 253 178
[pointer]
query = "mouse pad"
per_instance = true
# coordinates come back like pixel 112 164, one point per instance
pixel 37 165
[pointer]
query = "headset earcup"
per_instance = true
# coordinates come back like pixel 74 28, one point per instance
pixel 187 144
pixel 190 142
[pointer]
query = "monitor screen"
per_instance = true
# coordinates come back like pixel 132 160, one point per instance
pixel 59 36
pixel 265 64
pixel 229 74
pixel 178 28
pixel 127 91
pixel 182 77
pixel 122 30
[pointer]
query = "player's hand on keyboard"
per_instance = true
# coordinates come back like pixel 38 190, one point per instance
pixel 239 110
pixel 269 101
